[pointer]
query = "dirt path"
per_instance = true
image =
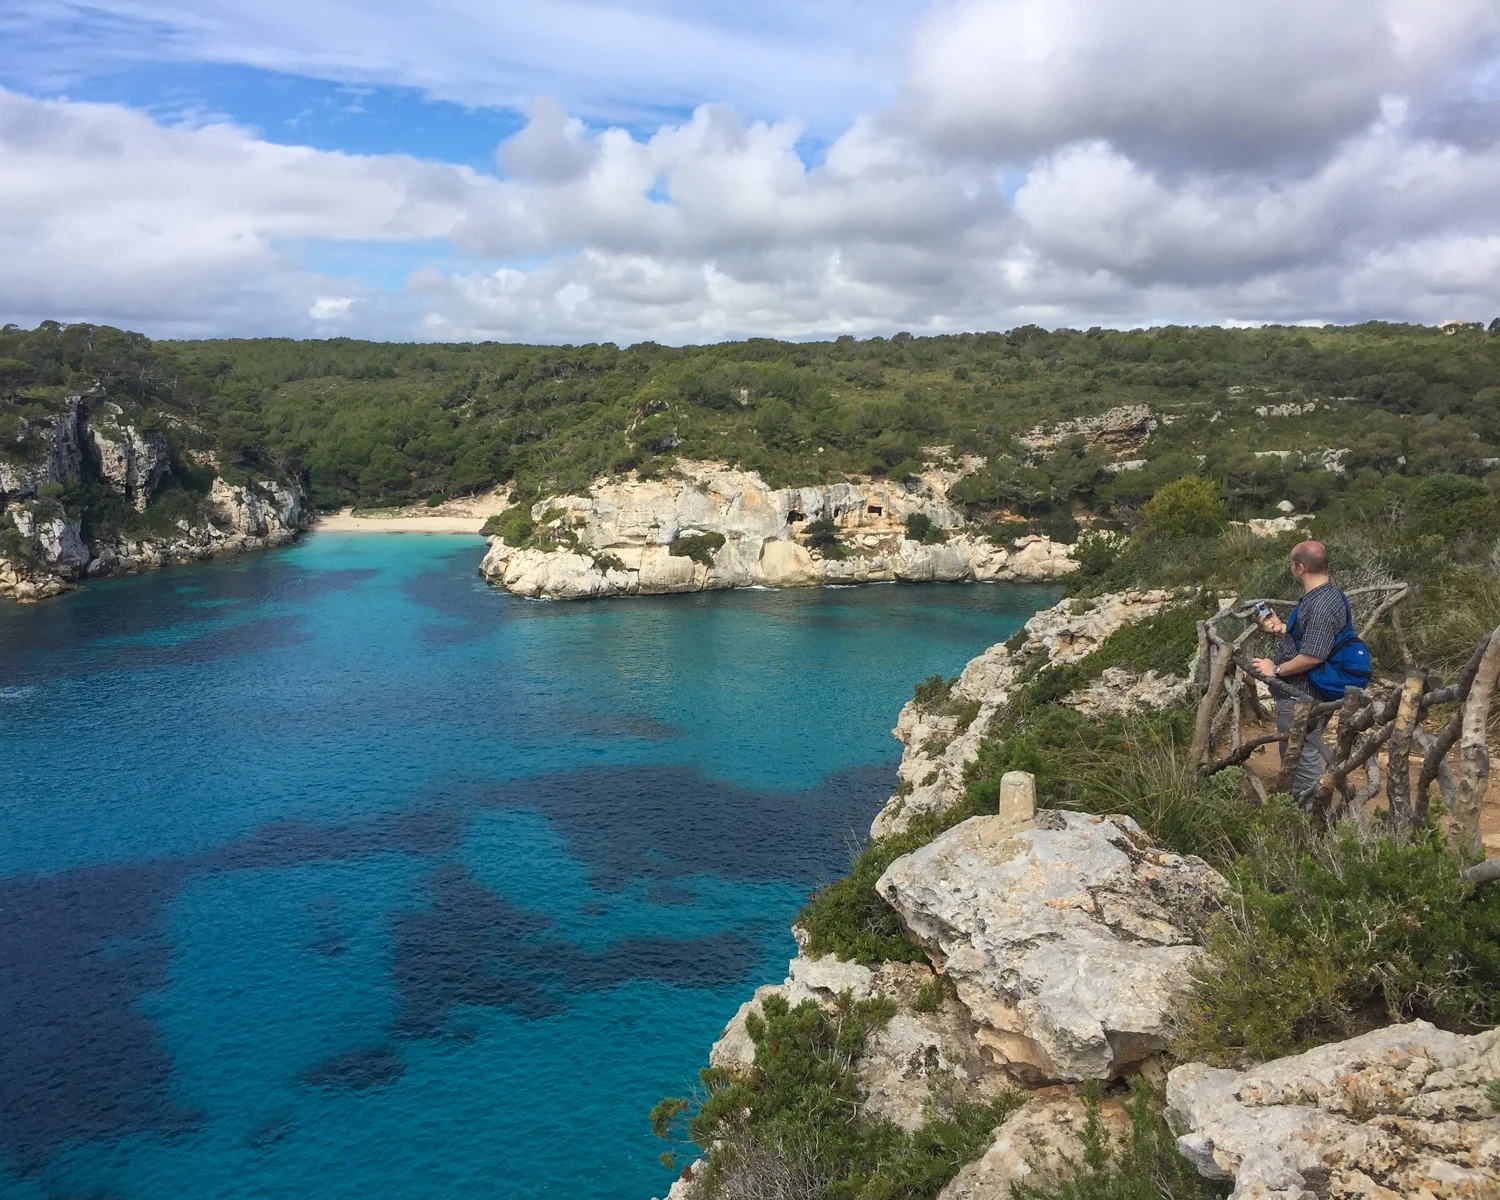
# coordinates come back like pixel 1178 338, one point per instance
pixel 1265 762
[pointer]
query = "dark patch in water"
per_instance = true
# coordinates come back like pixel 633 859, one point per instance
pixel 79 1059
pixel 666 894
pixel 362 1068
pixel 681 822
pixel 472 947
pixel 270 1131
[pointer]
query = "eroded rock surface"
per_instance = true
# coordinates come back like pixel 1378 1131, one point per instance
pixel 916 1059
pixel 1033 1143
pixel 133 461
pixel 938 745
pixel 1396 1113
pixel 1120 690
pixel 617 539
pixel 1069 940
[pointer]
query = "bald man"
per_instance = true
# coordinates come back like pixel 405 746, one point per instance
pixel 1321 616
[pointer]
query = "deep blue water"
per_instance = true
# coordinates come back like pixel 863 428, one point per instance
pixel 334 872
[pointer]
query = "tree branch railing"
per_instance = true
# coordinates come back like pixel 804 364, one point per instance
pixel 1383 717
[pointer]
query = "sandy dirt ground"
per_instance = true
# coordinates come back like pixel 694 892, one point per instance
pixel 1266 762
pixel 464 515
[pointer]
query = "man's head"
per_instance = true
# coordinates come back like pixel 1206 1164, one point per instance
pixel 1310 563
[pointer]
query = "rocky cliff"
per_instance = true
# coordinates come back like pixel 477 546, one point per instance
pixel 1061 948
pixel 43 550
pixel 628 537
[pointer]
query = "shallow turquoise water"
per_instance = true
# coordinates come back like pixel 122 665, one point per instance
pixel 334 872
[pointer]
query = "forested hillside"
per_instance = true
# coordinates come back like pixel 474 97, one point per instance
pixel 374 424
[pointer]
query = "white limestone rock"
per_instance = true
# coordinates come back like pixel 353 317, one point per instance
pixel 1072 629
pixel 1032 1144
pixel 935 752
pixel 634 522
pixel 1120 690
pixel 265 510
pixel 59 458
pixel 1398 1112
pixel 1068 940
pixel 133 461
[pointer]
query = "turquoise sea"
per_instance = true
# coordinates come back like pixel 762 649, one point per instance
pixel 333 872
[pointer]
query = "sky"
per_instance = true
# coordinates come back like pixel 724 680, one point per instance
pixel 629 170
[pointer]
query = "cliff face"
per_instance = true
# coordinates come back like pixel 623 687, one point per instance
pixel 618 539
pixel 43 551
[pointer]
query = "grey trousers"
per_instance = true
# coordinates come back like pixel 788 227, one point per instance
pixel 1314 750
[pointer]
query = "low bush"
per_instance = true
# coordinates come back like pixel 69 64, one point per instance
pixel 919 528
pixel 1333 934
pixel 791 1127
pixel 1188 507
pixel 609 562
pixel 700 547
pixel 933 692
pixel 514 525
pixel 1145 1165
pixel 822 538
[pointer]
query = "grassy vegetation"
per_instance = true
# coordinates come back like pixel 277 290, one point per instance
pixel 790 1127
pixel 1143 1165
pixel 700 547
pixel 1334 933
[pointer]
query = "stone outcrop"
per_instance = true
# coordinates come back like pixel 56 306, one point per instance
pixel 1124 428
pixel 46 553
pixel 915 1056
pixel 1068 939
pixel 1120 690
pixel 617 539
pixel 1394 1114
pixel 1033 1143
pixel 132 460
pixel 54 454
pixel 935 750
pixel 52 554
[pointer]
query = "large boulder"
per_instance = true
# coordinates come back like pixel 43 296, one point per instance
pixel 1068 939
pixel 1033 1144
pixel 1395 1113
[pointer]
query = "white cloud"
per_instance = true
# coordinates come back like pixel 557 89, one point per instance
pixel 1168 166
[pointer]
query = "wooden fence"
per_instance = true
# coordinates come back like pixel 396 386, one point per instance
pixel 1385 716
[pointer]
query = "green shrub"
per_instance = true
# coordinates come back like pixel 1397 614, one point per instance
pixel 700 547
pixel 1335 934
pixel 933 692
pixel 1146 1165
pixel 1187 507
pixel 514 525
pixel 436 499
pixel 919 528
pixel 822 537
pixel 609 562
pixel 789 1127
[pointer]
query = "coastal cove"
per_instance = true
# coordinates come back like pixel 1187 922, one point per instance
pixel 334 870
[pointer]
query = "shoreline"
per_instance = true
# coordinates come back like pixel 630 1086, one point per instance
pixel 345 521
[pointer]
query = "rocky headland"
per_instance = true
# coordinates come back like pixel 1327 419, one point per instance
pixel 1060 949
pixel 707 527
pixel 44 549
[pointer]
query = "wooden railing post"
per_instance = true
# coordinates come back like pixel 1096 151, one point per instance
pixel 1474 754
pixel 1398 755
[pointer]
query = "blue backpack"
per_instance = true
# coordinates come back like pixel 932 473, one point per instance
pixel 1347 664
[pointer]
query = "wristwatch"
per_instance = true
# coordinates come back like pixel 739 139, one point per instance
pixel 1276 670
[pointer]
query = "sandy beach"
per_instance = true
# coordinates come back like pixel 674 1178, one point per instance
pixel 453 516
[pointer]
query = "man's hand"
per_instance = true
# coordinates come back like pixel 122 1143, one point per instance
pixel 1271 623
pixel 1264 666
